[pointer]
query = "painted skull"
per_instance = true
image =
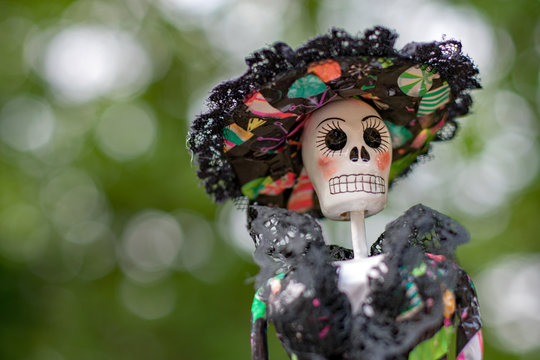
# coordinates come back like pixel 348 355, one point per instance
pixel 347 152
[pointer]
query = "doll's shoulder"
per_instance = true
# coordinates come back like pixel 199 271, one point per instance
pixel 419 249
pixel 423 228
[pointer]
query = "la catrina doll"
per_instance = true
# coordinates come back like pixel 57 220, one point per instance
pixel 322 131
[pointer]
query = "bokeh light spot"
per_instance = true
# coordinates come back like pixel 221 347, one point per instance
pixel 509 291
pixel 248 25
pixel 24 232
pixel 150 244
pixel 86 232
pixel 233 226
pixel 198 242
pixel 126 131
pixel 91 260
pixel 71 198
pixel 26 123
pixel 193 7
pixel 148 301
pixel 83 62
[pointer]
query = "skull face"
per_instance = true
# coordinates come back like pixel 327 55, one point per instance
pixel 347 152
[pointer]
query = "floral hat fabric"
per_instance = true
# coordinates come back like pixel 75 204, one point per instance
pixel 248 143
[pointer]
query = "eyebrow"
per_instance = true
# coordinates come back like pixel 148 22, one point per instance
pixel 330 118
pixel 340 119
pixel 370 116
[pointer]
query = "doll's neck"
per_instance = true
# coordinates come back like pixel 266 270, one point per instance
pixel 358 234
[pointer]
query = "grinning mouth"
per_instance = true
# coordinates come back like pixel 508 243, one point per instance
pixel 357 183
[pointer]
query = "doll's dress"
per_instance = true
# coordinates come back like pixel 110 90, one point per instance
pixel 421 305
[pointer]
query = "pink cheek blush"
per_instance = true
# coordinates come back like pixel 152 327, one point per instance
pixel 383 160
pixel 326 165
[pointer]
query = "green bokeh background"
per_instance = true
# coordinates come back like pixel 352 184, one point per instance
pixel 52 309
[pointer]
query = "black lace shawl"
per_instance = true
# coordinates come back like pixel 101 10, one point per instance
pixel 292 243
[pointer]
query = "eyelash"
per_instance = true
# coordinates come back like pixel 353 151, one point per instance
pixel 321 138
pixel 372 122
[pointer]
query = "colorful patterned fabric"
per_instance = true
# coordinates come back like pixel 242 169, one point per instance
pixel 435 347
pixel 301 199
pixel 434 100
pixel 325 70
pixel 277 187
pixel 307 86
pixel 234 135
pixel 416 81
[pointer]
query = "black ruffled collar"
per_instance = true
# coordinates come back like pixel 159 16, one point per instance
pixel 284 238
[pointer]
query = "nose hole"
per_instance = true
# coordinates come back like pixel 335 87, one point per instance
pixel 354 154
pixel 364 154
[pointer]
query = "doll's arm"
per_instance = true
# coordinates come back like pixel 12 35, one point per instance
pixel 474 348
pixel 259 347
pixel 469 339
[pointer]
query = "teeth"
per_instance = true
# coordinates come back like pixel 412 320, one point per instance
pixel 351 184
pixel 355 183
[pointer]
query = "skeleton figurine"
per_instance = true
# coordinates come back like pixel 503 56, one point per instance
pixel 322 131
pixel 347 154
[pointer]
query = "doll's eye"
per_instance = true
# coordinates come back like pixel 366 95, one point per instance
pixel 335 139
pixel 372 137
pixel 376 135
pixel 331 138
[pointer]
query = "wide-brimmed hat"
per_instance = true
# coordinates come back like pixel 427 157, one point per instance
pixel 248 143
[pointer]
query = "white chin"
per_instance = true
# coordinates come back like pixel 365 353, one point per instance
pixel 338 206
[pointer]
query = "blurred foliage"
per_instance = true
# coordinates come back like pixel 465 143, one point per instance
pixel 70 284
